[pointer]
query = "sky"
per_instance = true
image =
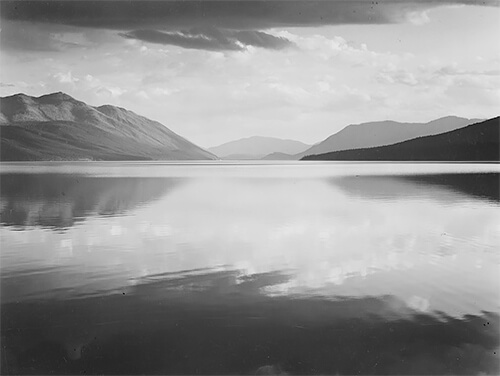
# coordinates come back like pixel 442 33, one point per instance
pixel 216 71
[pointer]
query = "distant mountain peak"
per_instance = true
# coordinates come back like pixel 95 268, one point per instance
pixel 262 138
pixel 449 117
pixel 256 147
pixel 372 123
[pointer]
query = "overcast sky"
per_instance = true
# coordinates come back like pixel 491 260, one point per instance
pixel 218 71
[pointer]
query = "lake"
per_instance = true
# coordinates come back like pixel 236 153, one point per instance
pixel 250 268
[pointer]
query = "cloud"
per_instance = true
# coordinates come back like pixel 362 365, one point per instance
pixel 24 36
pixel 239 15
pixel 184 39
pixel 65 78
pixel 394 75
pixel 261 39
pixel 206 24
pixel 453 70
pixel 418 18
pixel 41 36
pixel 210 38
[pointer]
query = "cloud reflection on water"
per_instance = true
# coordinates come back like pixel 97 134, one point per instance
pixel 317 275
pixel 208 322
pixel 338 237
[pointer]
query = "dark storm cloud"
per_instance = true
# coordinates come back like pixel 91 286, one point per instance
pixel 239 14
pixel 210 38
pixel 236 14
pixel 167 21
pixel 24 36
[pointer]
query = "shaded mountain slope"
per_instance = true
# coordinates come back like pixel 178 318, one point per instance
pixel 279 157
pixel 58 127
pixel 257 147
pixel 476 142
pixel 382 133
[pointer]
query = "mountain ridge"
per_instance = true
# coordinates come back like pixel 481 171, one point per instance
pixel 58 126
pixel 380 133
pixel 475 142
pixel 256 147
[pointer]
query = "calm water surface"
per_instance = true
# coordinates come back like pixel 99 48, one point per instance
pixel 203 268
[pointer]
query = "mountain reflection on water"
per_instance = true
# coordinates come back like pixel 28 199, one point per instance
pixel 444 187
pixel 60 200
pixel 214 270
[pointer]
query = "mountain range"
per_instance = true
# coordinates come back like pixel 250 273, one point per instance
pixel 475 142
pixel 59 127
pixel 379 133
pixel 257 147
